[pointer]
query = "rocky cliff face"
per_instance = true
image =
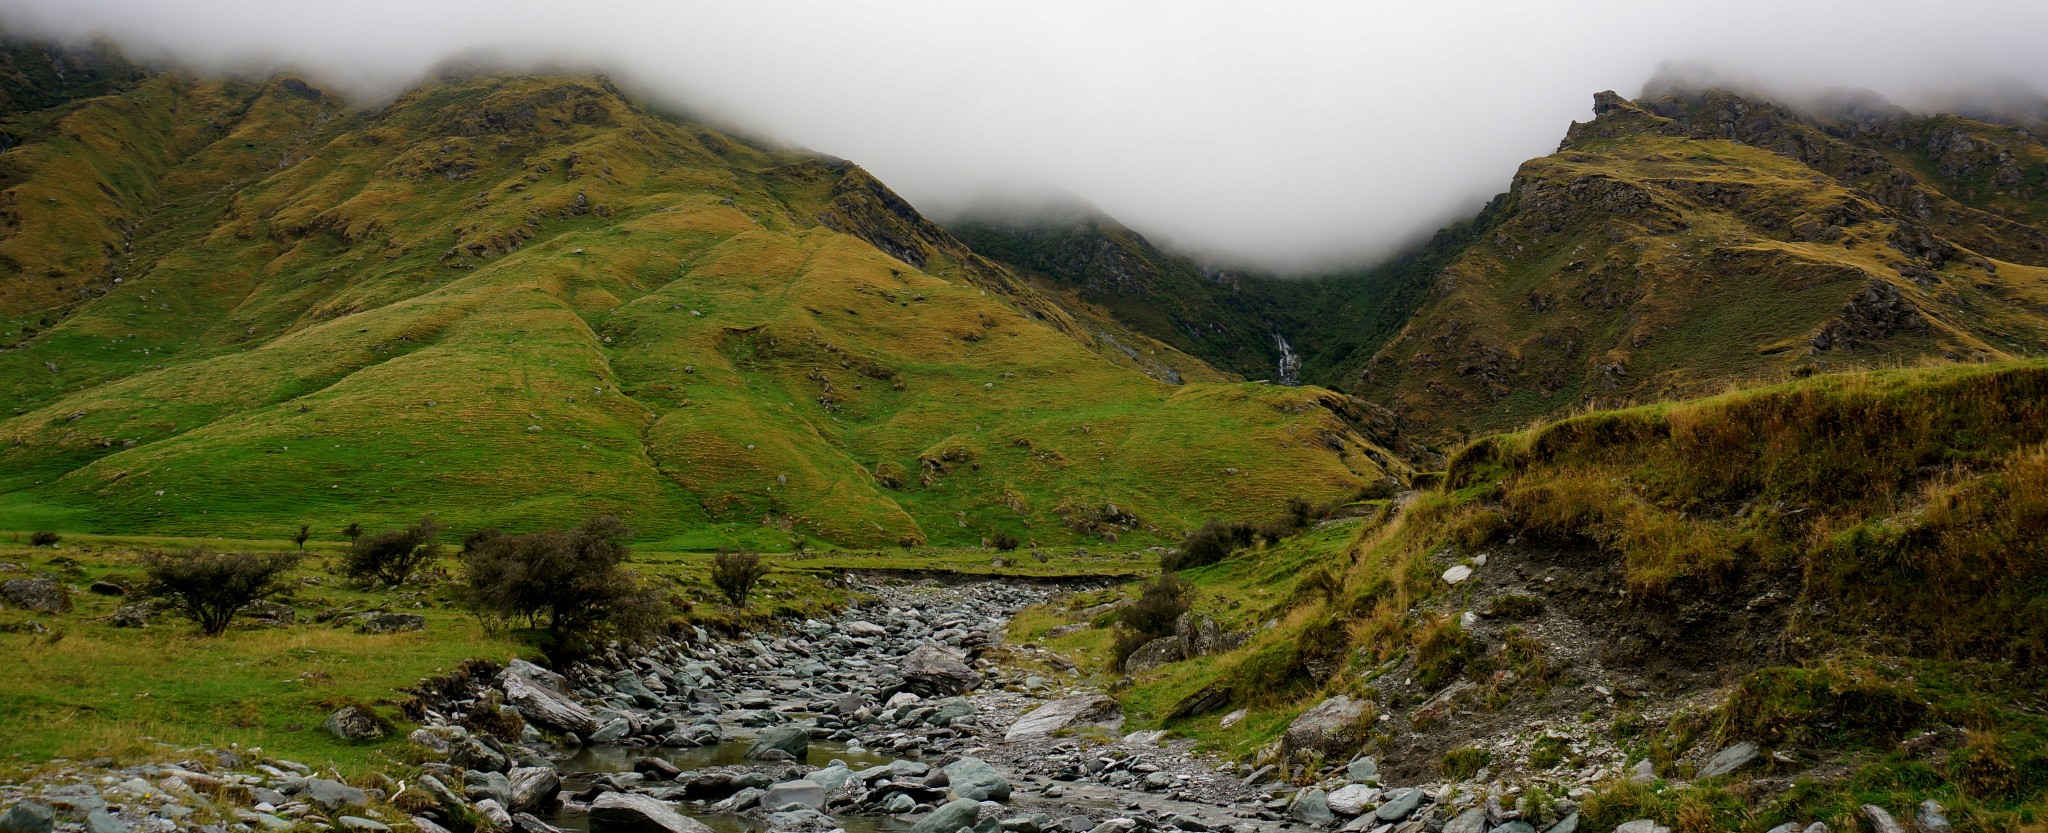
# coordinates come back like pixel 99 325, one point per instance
pixel 1677 243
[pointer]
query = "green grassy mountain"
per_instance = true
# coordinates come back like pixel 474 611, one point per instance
pixel 231 307
pixel 1679 243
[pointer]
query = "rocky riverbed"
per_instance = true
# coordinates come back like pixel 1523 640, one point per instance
pixel 893 716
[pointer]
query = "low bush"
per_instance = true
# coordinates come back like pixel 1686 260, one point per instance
pixel 735 574
pixel 1464 762
pixel 390 558
pixel 210 587
pixel 1214 542
pixel 44 538
pixel 1004 542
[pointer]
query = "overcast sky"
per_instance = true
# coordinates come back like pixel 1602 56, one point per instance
pixel 1283 133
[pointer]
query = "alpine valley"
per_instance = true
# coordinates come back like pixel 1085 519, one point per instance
pixel 529 457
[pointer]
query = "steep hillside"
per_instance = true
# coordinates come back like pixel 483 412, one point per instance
pixel 1844 573
pixel 233 307
pixel 1679 243
pixel 1314 329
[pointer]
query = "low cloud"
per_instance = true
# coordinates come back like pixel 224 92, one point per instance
pixel 1292 135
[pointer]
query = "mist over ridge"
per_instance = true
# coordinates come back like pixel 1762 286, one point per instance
pixel 1294 136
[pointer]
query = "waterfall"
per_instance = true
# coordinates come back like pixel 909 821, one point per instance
pixel 1290 364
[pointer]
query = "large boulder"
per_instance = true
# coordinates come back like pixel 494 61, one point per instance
pixel 30 817
pixel 794 740
pixel 542 698
pixel 1079 710
pixel 389 622
pixel 354 723
pixel 949 817
pixel 1158 652
pixel 41 595
pixel 533 788
pixel 973 778
pixel 620 812
pixel 935 671
pixel 1312 807
pixel 1729 760
pixel 1198 635
pixel 333 796
pixel 1332 729
pixel 802 792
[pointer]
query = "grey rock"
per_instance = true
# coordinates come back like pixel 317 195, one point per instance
pixel 389 622
pixel 935 671
pixel 899 803
pixel 135 615
pixel 427 825
pixel 1158 652
pixel 1787 827
pixel 620 812
pixel 1881 821
pixel 333 796
pixel 802 791
pixel 832 778
pixel 1641 826
pixel 353 723
pixel 1085 709
pixel 1516 826
pixel 27 817
pixel 525 823
pixel 481 786
pixel 101 821
pixel 1568 824
pixel 1399 805
pixel 1818 827
pixel 1473 820
pixel 973 778
pixel 949 817
pixel 612 731
pixel 1329 729
pixel 540 696
pixel 1643 773
pixel 430 740
pixel 1364 770
pixel 1312 807
pixel 1929 817
pixel 1352 799
pixel 1729 760
pixel 358 823
pixel 41 595
pixel 493 814
pixel 791 740
pixel 533 788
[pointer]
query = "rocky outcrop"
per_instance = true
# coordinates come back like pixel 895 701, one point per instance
pixel 1065 713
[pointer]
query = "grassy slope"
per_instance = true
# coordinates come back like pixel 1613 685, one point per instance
pixel 84 688
pixel 518 301
pixel 1897 513
pixel 1645 261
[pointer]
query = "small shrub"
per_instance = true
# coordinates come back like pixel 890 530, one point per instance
pixel 1214 542
pixel 390 558
pixel 1004 542
pixel 210 587
pixel 305 532
pixel 1153 615
pixel 1514 606
pixel 44 538
pixel 1548 752
pixel 735 574
pixel 352 532
pixel 1441 650
pixel 1983 768
pixel 1464 762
